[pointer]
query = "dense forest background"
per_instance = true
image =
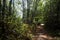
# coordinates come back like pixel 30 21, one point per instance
pixel 18 18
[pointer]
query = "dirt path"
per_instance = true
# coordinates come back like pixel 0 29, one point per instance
pixel 42 37
pixel 40 34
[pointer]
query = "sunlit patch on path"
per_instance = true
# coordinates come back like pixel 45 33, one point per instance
pixel 40 34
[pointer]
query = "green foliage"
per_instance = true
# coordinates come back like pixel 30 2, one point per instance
pixel 52 17
pixel 37 11
pixel 11 27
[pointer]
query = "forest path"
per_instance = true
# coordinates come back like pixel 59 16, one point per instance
pixel 42 37
pixel 40 34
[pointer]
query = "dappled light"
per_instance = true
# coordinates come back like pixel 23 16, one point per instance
pixel 29 19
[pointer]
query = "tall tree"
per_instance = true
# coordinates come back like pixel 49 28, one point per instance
pixel 24 14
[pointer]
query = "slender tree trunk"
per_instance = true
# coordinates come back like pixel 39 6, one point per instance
pixel 3 16
pixel 28 11
pixel 23 9
pixel 10 7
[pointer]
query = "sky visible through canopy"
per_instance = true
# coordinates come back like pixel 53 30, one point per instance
pixel 19 6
